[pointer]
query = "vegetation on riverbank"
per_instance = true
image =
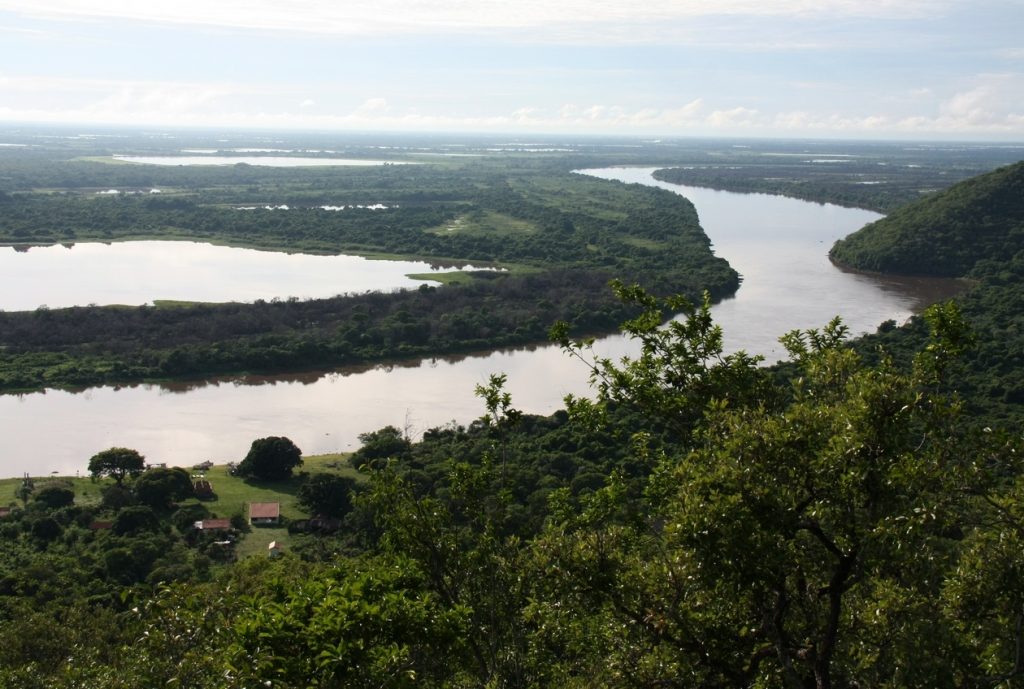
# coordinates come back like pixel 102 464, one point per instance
pixel 563 236
pixel 862 175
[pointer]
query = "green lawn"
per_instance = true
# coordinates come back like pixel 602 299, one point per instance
pixel 487 223
pixel 233 494
pixel 87 491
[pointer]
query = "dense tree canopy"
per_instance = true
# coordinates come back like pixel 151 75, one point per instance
pixel 270 459
pixel 161 486
pixel 946 234
pixel 328 495
pixel 837 526
pixel 117 463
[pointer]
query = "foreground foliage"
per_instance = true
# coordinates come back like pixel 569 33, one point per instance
pixel 841 527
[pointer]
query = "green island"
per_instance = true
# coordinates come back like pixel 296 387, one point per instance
pixel 560 238
pixel 852 517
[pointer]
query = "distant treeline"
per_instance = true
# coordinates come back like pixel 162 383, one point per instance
pixel 877 186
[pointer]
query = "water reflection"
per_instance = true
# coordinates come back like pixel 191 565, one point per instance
pixel 140 272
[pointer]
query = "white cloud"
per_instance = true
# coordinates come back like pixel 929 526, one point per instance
pixel 354 17
pixel 308 103
pixel 733 117
pixel 994 100
pixel 371 108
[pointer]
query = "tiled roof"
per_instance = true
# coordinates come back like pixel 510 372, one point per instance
pixel 264 510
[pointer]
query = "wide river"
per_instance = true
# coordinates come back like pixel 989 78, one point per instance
pixel 779 246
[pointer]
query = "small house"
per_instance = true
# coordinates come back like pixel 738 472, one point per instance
pixel 5 512
pixel 264 513
pixel 98 525
pixel 274 549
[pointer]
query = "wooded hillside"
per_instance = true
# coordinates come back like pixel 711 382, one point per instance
pixel 946 234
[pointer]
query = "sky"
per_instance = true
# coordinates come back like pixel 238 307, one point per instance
pixel 854 69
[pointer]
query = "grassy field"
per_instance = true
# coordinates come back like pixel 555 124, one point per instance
pixel 233 494
pixel 485 223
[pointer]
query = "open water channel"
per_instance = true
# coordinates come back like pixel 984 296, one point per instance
pixel 779 246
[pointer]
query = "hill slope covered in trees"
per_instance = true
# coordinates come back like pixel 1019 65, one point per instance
pixel 945 234
pixel 974 229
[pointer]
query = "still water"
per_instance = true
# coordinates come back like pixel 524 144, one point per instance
pixel 779 245
pixel 268 161
pixel 140 272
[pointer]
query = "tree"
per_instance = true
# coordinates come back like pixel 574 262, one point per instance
pixel 54 496
pixel 327 494
pixel 385 443
pixel 160 487
pixel 136 519
pixel 804 536
pixel 46 529
pixel 271 459
pixel 117 463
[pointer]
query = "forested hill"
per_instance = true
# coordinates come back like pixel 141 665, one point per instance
pixel 946 234
pixel 974 229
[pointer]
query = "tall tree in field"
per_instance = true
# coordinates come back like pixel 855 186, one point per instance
pixel 117 463
pixel 271 459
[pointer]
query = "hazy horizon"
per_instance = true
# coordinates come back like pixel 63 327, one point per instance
pixel 789 69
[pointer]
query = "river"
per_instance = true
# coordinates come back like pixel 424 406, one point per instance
pixel 779 246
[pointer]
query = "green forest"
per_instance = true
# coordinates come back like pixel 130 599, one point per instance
pixel 853 517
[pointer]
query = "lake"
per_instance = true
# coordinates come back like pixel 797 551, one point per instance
pixel 779 245
pixel 268 161
pixel 139 272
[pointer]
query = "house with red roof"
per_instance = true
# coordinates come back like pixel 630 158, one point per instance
pixel 264 513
